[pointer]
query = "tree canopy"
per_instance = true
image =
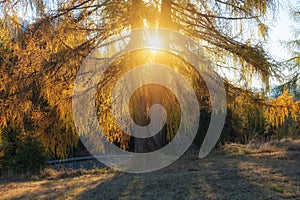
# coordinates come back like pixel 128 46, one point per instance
pixel 41 55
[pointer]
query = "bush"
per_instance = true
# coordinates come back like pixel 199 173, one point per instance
pixel 21 153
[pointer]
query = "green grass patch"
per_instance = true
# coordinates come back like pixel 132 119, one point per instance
pixel 277 188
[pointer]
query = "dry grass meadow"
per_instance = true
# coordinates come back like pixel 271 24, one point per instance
pixel 266 171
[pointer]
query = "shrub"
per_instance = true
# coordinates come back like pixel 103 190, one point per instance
pixel 20 153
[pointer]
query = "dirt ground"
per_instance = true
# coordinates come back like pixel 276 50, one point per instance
pixel 222 175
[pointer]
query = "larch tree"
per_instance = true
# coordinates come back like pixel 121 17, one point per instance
pixel 39 61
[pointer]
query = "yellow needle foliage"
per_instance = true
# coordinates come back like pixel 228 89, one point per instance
pixel 279 109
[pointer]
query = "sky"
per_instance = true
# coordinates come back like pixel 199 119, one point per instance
pixel 281 31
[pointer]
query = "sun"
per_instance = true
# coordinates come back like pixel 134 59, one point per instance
pixel 153 40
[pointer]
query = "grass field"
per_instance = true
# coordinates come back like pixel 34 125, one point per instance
pixel 234 172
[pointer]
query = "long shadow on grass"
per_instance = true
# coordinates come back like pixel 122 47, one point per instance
pixel 111 189
pixel 210 178
pixel 222 179
pixel 245 177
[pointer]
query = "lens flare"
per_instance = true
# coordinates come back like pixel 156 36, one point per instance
pixel 153 40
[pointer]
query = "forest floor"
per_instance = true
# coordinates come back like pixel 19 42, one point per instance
pixel 236 171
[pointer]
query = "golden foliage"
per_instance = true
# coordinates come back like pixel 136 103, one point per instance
pixel 38 64
pixel 279 109
pixel 258 110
